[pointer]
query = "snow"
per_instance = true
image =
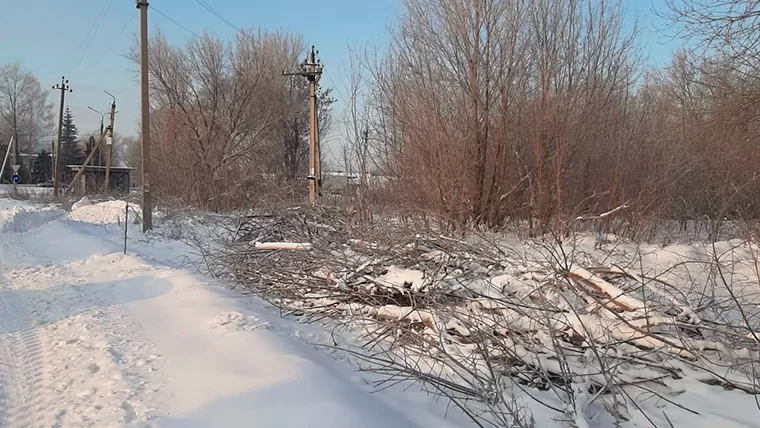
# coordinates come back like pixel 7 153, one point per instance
pixel 615 295
pixel 402 279
pixel 25 189
pixel 237 321
pixel 641 333
pixel 106 212
pixel 90 336
pixel 17 218
pixel 93 337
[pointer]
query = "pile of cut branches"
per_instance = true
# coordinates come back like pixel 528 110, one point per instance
pixel 477 320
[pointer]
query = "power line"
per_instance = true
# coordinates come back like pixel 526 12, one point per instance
pixel 89 31
pixel 110 45
pixel 213 11
pixel 335 87
pixel 175 22
pixel 91 34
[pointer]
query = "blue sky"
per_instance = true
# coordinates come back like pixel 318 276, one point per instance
pixel 55 38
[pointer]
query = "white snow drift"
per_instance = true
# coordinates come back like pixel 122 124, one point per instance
pixel 15 217
pixel 90 337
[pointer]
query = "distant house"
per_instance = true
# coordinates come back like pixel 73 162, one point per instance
pixel 27 160
pixel 343 183
pixel 93 179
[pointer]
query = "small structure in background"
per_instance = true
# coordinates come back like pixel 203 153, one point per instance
pixel 26 160
pixel 93 179
pixel 347 183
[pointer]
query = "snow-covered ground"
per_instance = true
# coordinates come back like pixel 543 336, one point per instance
pixel 26 189
pixel 92 337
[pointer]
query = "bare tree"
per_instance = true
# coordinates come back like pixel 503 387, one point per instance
pixel 492 102
pixel 488 113
pixel 717 92
pixel 358 157
pixel 725 28
pixel 24 109
pixel 221 115
pixel 724 37
pixel 38 116
pixel 13 84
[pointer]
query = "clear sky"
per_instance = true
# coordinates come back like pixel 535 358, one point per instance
pixel 57 37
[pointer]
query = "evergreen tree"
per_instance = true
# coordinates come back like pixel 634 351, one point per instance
pixel 72 152
pixel 42 169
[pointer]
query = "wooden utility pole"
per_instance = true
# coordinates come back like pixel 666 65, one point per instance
pixel 147 202
pixel 58 170
pixel 52 158
pixel 86 162
pixel 311 69
pixel 109 144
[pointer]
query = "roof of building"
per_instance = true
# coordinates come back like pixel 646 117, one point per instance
pixel 101 168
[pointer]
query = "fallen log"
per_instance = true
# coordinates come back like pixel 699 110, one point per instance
pixel 290 246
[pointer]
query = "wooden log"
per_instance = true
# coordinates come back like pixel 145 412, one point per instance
pixel 290 246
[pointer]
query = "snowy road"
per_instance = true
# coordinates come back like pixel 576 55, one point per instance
pixel 91 337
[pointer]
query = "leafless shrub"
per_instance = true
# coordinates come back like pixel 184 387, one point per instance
pixel 514 114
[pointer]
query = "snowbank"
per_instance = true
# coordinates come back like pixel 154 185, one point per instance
pixel 102 212
pixel 18 217
pixel 26 190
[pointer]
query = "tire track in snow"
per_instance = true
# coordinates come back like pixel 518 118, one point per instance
pixel 29 399
pixel 78 358
pixel 8 386
pixel 26 396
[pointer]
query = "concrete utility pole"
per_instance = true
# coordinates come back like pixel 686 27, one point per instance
pixel 109 144
pixel 311 69
pixel 147 202
pixel 102 115
pixel 317 143
pixel 63 87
